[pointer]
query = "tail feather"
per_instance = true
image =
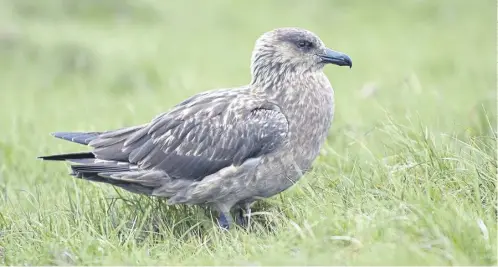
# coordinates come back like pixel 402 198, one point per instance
pixel 121 174
pixel 116 168
pixel 98 168
pixel 69 156
pixel 126 185
pixel 83 138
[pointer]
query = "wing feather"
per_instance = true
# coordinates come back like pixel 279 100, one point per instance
pixel 204 135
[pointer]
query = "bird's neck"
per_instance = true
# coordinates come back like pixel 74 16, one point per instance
pixel 291 88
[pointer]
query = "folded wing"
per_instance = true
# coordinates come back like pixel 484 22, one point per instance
pixel 197 138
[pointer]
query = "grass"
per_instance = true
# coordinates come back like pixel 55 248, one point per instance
pixel 407 176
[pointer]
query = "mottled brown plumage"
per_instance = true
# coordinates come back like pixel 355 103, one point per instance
pixel 226 148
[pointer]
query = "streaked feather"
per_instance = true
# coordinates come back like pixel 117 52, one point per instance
pixel 224 147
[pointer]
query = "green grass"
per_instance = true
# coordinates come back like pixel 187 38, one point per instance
pixel 407 177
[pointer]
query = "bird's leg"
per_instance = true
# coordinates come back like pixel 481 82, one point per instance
pixel 242 219
pixel 225 220
pixel 239 218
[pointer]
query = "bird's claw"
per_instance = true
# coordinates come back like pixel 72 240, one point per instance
pixel 242 218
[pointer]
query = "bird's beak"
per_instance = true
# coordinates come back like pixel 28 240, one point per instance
pixel 334 57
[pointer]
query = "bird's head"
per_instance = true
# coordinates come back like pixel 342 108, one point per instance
pixel 294 49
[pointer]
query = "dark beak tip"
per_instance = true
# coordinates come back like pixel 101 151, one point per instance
pixel 348 61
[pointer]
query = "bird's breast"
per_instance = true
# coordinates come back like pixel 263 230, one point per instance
pixel 309 125
pixel 309 108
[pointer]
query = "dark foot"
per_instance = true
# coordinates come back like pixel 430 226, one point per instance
pixel 223 222
pixel 243 217
pixel 240 219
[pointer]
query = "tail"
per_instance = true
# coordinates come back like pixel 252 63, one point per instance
pixel 114 170
pixel 70 156
pixel 76 137
pixel 120 174
pixel 81 138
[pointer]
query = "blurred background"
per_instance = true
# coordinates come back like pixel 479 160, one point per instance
pixel 99 64
pixel 69 65
pixel 102 64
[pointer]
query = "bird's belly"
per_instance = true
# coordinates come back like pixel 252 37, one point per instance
pixel 277 173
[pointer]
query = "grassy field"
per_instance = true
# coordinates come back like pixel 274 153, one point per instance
pixel 407 176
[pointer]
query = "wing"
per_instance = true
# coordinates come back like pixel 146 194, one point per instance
pixel 200 136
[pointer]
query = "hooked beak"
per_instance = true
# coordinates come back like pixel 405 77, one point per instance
pixel 330 56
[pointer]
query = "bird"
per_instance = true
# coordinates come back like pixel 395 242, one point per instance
pixel 225 148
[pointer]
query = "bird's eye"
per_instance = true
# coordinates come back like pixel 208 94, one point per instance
pixel 304 44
